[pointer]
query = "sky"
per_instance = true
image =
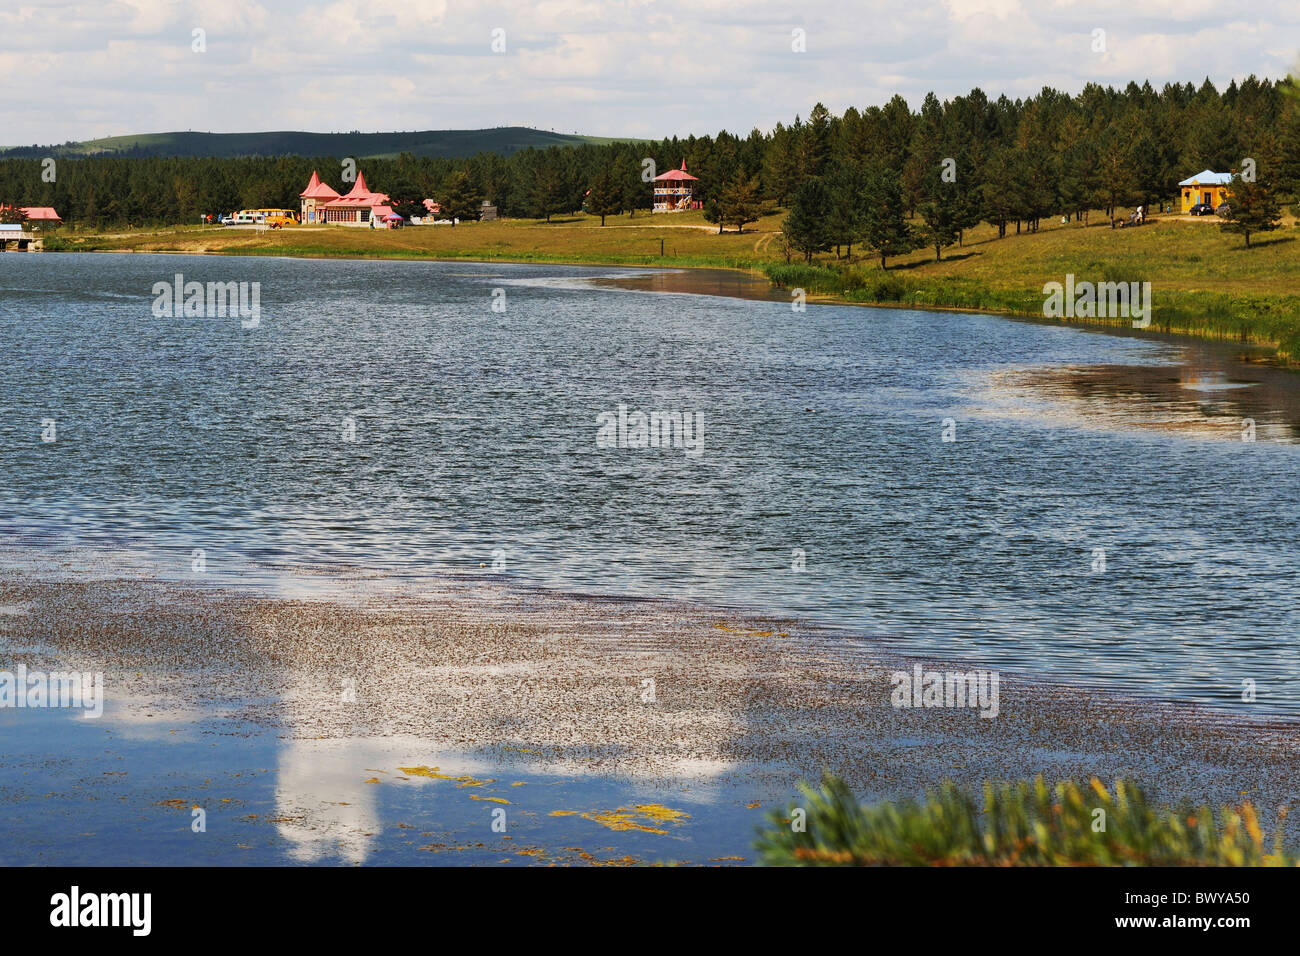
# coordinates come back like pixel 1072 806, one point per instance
pixel 73 70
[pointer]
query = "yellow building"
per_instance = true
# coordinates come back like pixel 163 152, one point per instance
pixel 1205 187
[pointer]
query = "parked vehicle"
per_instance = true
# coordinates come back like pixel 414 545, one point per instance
pixel 275 218
pixel 1201 209
pixel 1224 210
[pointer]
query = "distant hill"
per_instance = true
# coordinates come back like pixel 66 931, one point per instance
pixel 453 143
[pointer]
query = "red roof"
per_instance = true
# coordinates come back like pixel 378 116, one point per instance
pixel 360 195
pixel 317 189
pixel 676 174
pixel 38 213
pixel 359 187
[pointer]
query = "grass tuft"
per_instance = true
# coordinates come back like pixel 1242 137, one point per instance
pixel 1027 823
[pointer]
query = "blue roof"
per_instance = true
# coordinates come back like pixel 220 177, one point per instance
pixel 1207 177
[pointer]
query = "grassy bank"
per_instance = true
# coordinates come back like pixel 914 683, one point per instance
pixel 1204 282
pixel 1267 319
pixel 1021 824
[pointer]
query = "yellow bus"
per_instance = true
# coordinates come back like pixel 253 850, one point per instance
pixel 275 218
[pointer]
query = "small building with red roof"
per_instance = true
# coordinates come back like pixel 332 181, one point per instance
pixel 41 214
pixel 38 214
pixel 25 233
pixel 675 191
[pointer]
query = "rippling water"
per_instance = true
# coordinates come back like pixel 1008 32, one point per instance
pixel 476 433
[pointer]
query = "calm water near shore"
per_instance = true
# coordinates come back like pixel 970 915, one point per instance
pixel 124 791
pixel 1098 518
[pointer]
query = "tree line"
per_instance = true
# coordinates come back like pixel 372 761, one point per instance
pixel 885 177
pixel 894 181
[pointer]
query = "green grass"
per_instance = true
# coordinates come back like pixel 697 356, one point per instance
pixel 626 240
pixel 1019 824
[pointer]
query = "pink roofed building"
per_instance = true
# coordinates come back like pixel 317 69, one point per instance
pixel 360 207
pixel 41 214
pixel 675 191
pixel 37 214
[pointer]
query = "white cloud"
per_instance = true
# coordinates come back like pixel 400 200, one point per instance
pixel 966 10
pixel 74 70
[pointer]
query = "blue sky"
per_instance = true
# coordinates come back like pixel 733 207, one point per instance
pixel 76 70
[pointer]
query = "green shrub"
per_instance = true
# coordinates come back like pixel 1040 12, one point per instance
pixel 801 276
pixel 1021 824
pixel 890 288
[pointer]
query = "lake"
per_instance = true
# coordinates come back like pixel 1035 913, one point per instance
pixel 1097 518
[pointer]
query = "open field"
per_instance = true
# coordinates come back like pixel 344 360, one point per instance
pixel 688 240
pixel 1204 281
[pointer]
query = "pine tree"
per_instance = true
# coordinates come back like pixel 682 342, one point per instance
pixel 1253 207
pixel 968 205
pixel 549 193
pixel 1117 181
pixel 636 192
pixel 780 166
pixel 887 231
pixel 940 215
pixel 605 197
pixel 713 212
pixel 895 132
pixel 815 143
pixel 999 189
pixel 739 203
pixel 460 197
pixel 805 225
pixel 1077 182
pixel 847 182
pixel 1288 124
pixel 1153 168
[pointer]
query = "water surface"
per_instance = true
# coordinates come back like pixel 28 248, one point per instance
pixel 1082 526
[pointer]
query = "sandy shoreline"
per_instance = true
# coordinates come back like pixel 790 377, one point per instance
pixel 486 670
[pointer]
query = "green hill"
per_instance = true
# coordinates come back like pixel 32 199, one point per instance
pixel 434 142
